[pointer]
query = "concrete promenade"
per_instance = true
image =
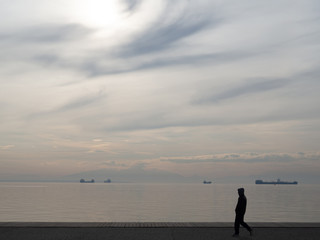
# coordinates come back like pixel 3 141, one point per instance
pixel 156 231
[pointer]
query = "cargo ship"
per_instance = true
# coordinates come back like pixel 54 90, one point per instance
pixel 276 182
pixel 207 182
pixel 84 181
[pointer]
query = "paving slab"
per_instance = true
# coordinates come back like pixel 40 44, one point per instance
pixel 156 231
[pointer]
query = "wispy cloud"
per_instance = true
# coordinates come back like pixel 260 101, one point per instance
pixel 163 36
pixel 166 30
pixel 245 158
pixel 253 86
pixel 47 33
pixel 79 104
pixel 131 5
pixel 6 147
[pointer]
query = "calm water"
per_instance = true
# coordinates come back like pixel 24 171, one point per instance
pixel 124 202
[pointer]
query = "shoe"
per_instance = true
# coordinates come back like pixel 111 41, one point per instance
pixel 235 235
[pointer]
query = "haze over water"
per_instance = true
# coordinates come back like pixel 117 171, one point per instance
pixel 133 202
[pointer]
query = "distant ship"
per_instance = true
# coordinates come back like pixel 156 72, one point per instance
pixel 107 181
pixel 84 181
pixel 275 182
pixel 207 182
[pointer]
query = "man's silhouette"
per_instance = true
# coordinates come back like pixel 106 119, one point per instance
pixel 240 211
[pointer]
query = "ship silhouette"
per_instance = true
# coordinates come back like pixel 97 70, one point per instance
pixel 275 182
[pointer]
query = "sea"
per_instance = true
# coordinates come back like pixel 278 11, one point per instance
pixel 150 202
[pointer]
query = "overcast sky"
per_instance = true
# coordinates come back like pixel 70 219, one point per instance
pixel 216 89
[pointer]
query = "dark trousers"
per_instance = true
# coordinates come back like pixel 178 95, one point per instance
pixel 239 221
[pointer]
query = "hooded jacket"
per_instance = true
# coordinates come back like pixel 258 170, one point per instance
pixel 242 204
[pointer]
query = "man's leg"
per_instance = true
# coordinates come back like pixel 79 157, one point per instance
pixel 245 225
pixel 237 224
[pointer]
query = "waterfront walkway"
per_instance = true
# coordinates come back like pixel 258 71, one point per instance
pixel 154 231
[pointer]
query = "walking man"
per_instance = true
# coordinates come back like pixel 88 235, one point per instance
pixel 240 211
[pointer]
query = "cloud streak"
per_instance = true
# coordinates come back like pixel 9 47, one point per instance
pixel 244 158
pixel 166 31
pixel 47 33
pixel 256 86
pixel 6 147
pixel 77 104
pixel 132 5
pixel 162 37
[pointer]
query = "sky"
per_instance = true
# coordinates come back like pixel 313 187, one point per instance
pixel 221 90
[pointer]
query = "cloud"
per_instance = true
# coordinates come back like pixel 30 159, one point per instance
pixel 94 69
pixel 6 147
pixel 177 21
pixel 132 5
pixel 245 158
pixel 165 31
pixel 253 86
pixel 59 46
pixel 47 33
pixel 162 37
pixel 79 103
